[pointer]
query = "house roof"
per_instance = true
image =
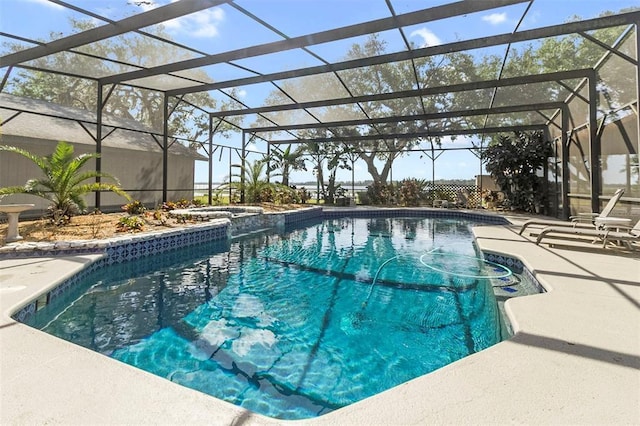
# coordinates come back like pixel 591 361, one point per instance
pixel 30 118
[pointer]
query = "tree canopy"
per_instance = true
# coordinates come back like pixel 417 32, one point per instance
pixel 514 162
pixel 548 55
pixel 129 102
pixel 190 120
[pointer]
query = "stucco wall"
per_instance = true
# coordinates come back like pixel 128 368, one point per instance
pixel 139 172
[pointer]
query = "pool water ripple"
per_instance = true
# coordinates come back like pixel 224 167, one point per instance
pixel 295 325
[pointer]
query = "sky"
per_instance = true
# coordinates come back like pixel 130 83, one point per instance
pixel 220 29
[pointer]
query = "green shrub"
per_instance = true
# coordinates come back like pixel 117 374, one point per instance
pixel 303 195
pixel 443 194
pixel 363 197
pixel 286 195
pixel 160 216
pixel 380 193
pixel 134 207
pixel 169 205
pixel 183 204
pixel 183 218
pixel 265 194
pixel 130 224
pixel 412 191
pixel 514 162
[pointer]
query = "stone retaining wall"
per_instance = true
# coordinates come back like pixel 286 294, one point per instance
pixel 126 247
pixel 133 246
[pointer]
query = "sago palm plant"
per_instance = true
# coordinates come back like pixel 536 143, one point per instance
pixel 64 183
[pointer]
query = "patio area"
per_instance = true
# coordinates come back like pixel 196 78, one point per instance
pixel 418 104
pixel 574 358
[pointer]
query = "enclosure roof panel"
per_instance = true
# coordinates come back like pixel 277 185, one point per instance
pixel 75 125
pixel 285 63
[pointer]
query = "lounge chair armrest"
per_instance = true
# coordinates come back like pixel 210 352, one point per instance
pixel 619 228
pixel 584 217
pixel 546 223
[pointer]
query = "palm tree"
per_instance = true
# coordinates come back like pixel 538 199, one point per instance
pixel 64 182
pixel 286 161
pixel 254 184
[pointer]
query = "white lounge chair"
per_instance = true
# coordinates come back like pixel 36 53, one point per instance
pixel 606 235
pixel 582 220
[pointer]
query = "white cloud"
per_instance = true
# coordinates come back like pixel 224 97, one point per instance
pixel 534 17
pixel 241 93
pixel 495 18
pixel 200 24
pixel 428 37
pixel 146 5
pixel 48 4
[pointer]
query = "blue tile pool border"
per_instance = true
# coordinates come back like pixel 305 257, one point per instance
pixel 414 212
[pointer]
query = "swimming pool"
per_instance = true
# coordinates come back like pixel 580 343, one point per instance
pixel 296 324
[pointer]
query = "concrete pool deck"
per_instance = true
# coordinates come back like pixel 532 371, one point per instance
pixel 575 357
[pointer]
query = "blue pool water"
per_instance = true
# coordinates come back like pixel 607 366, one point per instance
pixel 298 324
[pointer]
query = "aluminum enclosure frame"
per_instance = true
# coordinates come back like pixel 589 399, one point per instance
pixel 184 7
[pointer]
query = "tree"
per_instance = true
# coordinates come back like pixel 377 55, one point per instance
pixel 384 78
pixel 257 189
pixel 254 185
pixel 126 53
pixel 514 163
pixel 286 161
pixel 569 52
pixel 326 154
pixel 335 160
pixel 348 159
pixel 64 180
pixel 442 70
pixel 317 156
pixel 379 154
